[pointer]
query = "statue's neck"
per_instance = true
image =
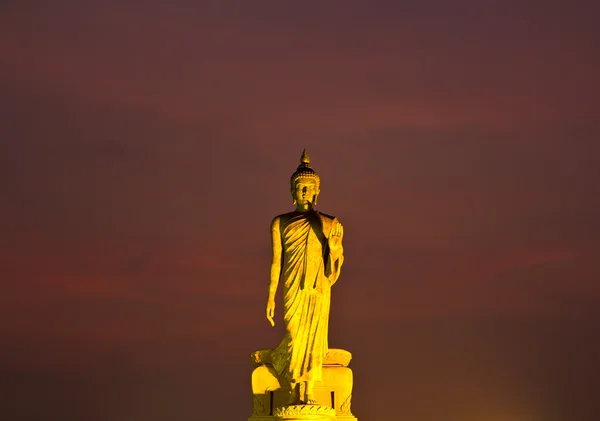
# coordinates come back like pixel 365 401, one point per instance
pixel 304 208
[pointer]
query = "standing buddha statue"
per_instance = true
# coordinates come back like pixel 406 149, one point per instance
pixel 307 254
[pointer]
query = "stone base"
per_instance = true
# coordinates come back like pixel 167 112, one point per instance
pixel 309 418
pixel 270 394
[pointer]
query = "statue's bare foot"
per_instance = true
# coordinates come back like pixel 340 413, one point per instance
pixel 310 399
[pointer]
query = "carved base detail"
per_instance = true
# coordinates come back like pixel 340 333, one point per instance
pixel 296 411
pixel 304 418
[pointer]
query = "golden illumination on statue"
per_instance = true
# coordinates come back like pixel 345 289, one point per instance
pixel 307 254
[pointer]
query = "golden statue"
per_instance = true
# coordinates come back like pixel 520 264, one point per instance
pixel 307 251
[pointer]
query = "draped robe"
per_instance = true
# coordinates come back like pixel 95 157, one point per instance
pixel 309 270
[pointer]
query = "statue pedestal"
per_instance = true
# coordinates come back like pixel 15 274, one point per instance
pixel 334 392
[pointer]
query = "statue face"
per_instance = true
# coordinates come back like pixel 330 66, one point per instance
pixel 305 191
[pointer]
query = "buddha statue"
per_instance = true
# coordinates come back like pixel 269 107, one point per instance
pixel 307 255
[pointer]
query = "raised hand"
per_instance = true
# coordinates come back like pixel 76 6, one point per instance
pixel 335 237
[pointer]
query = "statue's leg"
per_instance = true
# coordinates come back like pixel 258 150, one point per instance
pixel 310 393
pixel 301 392
pixel 294 393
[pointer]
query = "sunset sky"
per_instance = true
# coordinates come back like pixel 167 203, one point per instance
pixel 147 145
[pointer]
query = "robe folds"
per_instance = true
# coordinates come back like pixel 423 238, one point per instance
pixel 309 271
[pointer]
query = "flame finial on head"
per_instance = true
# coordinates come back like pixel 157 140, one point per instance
pixel 305 159
pixel 304 170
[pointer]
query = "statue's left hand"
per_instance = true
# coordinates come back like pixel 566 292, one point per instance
pixel 271 311
pixel 335 237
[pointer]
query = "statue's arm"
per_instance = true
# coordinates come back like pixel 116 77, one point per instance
pixel 276 260
pixel 336 252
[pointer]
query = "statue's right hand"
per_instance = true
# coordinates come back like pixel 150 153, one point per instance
pixel 271 311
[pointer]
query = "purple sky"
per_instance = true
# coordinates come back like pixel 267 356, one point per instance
pixel 146 147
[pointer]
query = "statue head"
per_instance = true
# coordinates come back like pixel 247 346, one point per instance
pixel 305 183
